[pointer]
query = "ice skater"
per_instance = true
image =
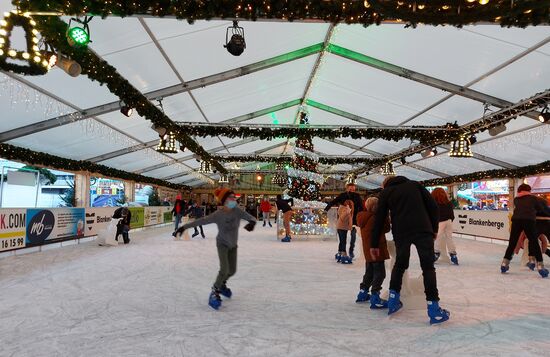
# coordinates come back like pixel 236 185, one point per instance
pixel 178 211
pixel 414 220
pixel 375 267
pixel 350 194
pixel 265 207
pixel 227 218
pixel 284 206
pixel 445 230
pixel 195 212
pixel 344 224
pixel 526 208
pixel 123 227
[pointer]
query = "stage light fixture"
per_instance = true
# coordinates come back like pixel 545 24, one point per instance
pixel 403 161
pixel 473 139
pixel 79 36
pixel 429 153
pixel 236 44
pixel 497 130
pixel 71 67
pixel 126 110
pixel 544 116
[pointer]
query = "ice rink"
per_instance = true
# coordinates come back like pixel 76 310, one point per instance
pixel 150 299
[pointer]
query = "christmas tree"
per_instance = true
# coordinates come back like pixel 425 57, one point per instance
pixel 303 180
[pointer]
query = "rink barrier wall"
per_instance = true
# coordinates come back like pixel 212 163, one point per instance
pixel 487 226
pixel 31 229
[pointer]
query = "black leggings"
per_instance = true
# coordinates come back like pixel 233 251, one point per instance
pixel 425 248
pixel 375 273
pixel 529 227
pixel 342 237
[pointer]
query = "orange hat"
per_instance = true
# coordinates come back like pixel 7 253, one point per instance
pixel 221 194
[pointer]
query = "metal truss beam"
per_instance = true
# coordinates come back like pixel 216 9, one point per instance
pixel 162 93
pixel 420 78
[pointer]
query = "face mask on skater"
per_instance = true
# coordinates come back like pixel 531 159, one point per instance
pixel 231 204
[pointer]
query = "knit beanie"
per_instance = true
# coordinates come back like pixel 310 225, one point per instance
pixel 221 194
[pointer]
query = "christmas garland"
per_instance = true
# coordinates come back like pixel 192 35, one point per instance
pixel 433 12
pixel 53 30
pixel 530 170
pixel 424 134
pixel 20 154
pixel 287 159
pixel 31 55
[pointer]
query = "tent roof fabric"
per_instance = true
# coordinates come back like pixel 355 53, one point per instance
pixel 154 54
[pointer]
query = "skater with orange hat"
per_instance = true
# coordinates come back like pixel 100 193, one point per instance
pixel 227 217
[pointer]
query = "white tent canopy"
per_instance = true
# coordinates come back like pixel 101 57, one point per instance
pixel 154 54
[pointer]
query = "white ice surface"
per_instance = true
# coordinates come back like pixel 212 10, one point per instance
pixel 150 299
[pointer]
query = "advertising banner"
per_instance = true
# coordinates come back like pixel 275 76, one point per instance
pixel 490 224
pixel 97 219
pixel 152 215
pixel 53 225
pixel 12 228
pixel 138 217
pixel 167 215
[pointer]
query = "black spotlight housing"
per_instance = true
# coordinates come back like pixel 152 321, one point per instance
pixel 236 44
pixel 403 161
pixel 126 110
pixel 434 151
pixel 473 139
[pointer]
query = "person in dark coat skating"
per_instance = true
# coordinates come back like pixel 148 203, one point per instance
pixel 414 220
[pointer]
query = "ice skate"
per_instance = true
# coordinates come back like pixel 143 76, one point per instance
pixel 203 236
pixel 531 266
pixel 542 270
pixel 345 259
pixel 338 257
pixel 363 296
pixel 394 302
pixel 195 234
pixel 351 256
pixel 376 302
pixel 286 239
pixel 505 266
pixel 436 256
pixel 214 300
pixel 454 258
pixel 437 315
pixel 270 224
pixel 225 291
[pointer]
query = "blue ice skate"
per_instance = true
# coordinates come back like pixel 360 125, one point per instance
pixel 214 300
pixel 363 296
pixel 376 302
pixel 531 266
pixel 345 260
pixel 542 270
pixel 454 259
pixel 225 291
pixel 351 256
pixel 338 257
pixel 436 256
pixel 286 239
pixel 437 315
pixel 394 302
pixel 505 266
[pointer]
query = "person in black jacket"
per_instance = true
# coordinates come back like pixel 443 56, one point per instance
pixel 350 194
pixel 526 209
pixel 446 218
pixel 414 220
pixel 284 206
pixel 123 226
pixel 196 211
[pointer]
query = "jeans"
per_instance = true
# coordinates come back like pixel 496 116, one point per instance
pixel 529 227
pixel 228 265
pixel 342 236
pixel 375 273
pixel 446 232
pixel 425 247
pixel 178 220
